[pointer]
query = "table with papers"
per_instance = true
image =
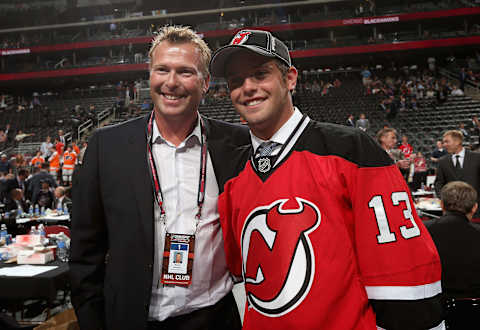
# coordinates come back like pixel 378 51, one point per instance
pixel 22 282
pixel 47 219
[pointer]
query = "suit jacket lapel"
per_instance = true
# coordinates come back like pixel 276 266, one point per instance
pixel 141 182
pixel 467 161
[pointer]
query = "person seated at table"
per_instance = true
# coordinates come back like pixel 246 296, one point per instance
pixel 458 240
pixel 16 201
pixel 45 196
pixel 62 201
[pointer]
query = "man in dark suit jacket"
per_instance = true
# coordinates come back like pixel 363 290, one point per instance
pixel 16 183
pixel 459 164
pixel 34 184
pixel 458 241
pixel 115 227
pixel 350 121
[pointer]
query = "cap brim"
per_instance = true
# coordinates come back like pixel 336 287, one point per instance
pixel 220 57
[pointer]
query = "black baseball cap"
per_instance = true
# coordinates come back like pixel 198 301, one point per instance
pixel 257 41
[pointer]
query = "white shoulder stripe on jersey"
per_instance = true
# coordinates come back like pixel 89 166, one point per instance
pixel 441 326
pixel 292 141
pixel 404 292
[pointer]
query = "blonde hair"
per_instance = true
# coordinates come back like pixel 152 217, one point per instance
pixel 176 34
pixel 455 134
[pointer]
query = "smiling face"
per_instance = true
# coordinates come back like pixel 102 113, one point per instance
pixel 452 144
pixel 260 91
pixel 176 82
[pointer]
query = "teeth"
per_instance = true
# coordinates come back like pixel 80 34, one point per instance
pixel 171 97
pixel 254 102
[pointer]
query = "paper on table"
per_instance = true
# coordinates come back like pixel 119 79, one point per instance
pixel 25 270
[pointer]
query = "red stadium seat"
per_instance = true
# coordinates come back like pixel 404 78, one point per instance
pixel 57 229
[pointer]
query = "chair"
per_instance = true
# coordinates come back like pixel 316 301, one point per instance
pixel 57 229
pixel 462 313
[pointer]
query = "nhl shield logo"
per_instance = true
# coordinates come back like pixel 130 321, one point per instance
pixel 264 165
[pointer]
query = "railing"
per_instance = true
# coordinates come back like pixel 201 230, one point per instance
pixel 103 115
pixel 471 87
pixel 84 128
pixel 27 147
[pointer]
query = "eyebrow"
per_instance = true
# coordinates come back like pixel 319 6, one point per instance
pixel 266 65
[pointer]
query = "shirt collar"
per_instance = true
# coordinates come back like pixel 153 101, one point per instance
pixel 194 136
pixel 461 154
pixel 283 133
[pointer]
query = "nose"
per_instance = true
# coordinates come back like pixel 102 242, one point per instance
pixel 249 85
pixel 171 81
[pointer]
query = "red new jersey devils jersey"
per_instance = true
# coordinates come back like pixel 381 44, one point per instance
pixel 326 234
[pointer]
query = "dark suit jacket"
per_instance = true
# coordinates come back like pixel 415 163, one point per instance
pixel 34 186
pixel 458 244
pixel 114 214
pixel 470 173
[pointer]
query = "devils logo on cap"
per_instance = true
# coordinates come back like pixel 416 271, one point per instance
pixel 241 37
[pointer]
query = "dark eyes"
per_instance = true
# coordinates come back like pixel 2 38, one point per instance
pixel 236 82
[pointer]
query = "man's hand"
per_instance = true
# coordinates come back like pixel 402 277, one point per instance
pixel 403 163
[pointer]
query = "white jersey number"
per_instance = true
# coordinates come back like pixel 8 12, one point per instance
pixel 385 234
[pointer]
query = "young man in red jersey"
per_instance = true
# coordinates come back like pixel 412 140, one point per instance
pixel 319 222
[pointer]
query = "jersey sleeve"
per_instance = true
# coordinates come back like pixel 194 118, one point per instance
pixel 398 262
pixel 230 238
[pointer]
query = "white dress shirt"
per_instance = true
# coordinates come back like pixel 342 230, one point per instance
pixel 178 170
pixel 461 158
pixel 281 135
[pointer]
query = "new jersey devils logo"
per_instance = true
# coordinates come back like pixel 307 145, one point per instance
pixel 278 259
pixel 241 38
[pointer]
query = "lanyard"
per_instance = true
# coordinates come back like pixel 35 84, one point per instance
pixel 156 181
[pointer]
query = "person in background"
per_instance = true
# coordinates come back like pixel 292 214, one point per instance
pixel 45 197
pixel 34 183
pixel 69 161
pixel 420 171
pixel 62 201
pixel 438 153
pixel 305 217
pixel 458 240
pixel 362 123
pixel 82 152
pixel 5 164
pixel 387 138
pixel 54 162
pixel 38 160
pixel 405 147
pixel 459 164
pixel 350 121
pixel 75 147
pixel 45 147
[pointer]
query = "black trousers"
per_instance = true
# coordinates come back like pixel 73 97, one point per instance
pixel 222 315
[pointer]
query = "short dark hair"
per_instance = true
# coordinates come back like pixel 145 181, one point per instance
pixel 458 196
pixel 282 67
pixel 23 172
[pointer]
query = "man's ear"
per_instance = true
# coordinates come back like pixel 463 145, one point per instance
pixel 292 75
pixel 474 208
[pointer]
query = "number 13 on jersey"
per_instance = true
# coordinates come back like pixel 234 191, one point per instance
pixel 385 233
